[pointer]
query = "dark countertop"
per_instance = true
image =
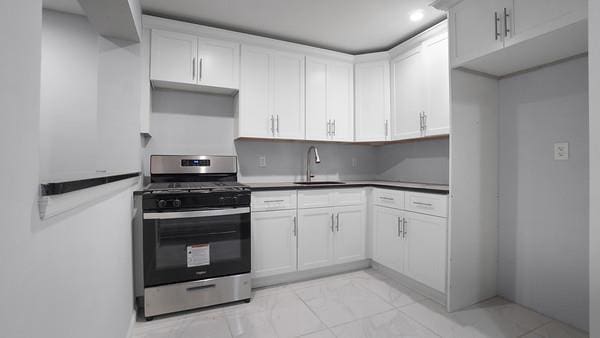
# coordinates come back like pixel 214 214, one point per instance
pixel 410 186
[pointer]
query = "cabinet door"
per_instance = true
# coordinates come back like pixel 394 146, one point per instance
pixel 218 63
pixel 473 28
pixel 273 242
pixel 388 243
pixel 407 95
pixel 531 18
pixel 437 89
pixel 350 232
pixel 426 249
pixel 255 105
pixel 317 121
pixel 173 57
pixel 340 101
pixel 372 110
pixel 288 95
pixel 315 238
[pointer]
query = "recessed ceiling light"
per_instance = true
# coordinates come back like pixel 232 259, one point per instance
pixel 417 15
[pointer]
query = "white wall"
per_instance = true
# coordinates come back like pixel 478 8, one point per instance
pixel 543 205
pixel 594 125
pixel 423 161
pixel 89 86
pixel 70 276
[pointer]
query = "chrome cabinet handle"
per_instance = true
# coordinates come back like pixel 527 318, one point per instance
pixel 200 69
pixel 400 232
pixel 295 227
pixel 423 204
pixel 277 124
pixel 332 223
pixel 194 68
pixel 273 201
pixel 424 122
pixel 506 16
pixel 386 198
pixel 328 127
pixel 421 121
pixel 404 232
pixel 496 21
pixel 272 125
pixel 333 127
pixel 386 128
pixel 337 227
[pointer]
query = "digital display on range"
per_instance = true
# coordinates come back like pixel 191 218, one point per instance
pixel 195 163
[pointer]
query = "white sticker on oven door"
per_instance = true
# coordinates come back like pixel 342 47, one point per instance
pixel 198 255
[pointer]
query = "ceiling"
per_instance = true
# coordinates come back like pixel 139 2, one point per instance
pixel 351 26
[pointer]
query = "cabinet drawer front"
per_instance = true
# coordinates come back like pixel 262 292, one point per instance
pixel 388 198
pixel 343 197
pixel 274 200
pixel 429 204
pixel 314 198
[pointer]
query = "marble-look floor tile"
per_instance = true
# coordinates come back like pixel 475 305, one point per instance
pixel 269 290
pixel 320 334
pixel 206 327
pixel 555 329
pixel 283 315
pixel 392 292
pixel 342 300
pixel 388 324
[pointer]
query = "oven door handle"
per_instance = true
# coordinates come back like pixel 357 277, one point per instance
pixel 196 214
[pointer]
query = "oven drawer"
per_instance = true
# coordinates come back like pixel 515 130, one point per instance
pixel 430 204
pixel 273 200
pixel 190 295
pixel 388 198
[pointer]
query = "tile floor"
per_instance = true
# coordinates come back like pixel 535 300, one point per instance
pixel 356 304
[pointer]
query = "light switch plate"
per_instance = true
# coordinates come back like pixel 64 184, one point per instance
pixel 262 161
pixel 561 151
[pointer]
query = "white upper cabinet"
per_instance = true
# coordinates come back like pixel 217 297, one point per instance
pixel 329 100
pixel 173 57
pixel 408 97
pixel 271 102
pixel 185 61
pixel 529 18
pixel 288 95
pixel 372 98
pixel 476 28
pixel 421 90
pixel 437 89
pixel 218 63
pixel 500 37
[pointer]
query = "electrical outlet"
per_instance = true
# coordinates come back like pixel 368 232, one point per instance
pixel 354 162
pixel 561 151
pixel 262 161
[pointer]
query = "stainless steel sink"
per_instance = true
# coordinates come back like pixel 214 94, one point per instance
pixel 319 182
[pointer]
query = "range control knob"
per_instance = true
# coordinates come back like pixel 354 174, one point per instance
pixel 176 203
pixel 222 200
pixel 162 203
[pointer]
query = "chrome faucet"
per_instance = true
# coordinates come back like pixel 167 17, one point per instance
pixel 317 160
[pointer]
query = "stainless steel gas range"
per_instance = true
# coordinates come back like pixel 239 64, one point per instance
pixel 191 235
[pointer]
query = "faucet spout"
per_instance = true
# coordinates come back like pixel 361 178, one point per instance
pixel 317 160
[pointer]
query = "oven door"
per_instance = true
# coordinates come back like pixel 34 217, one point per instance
pixel 191 245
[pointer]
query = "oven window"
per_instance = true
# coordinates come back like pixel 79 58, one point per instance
pixel 182 249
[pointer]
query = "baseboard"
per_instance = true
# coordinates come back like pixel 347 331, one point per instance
pixel 131 324
pixel 435 295
pixel 299 276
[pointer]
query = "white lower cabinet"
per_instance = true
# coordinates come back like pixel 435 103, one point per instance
pixel 412 244
pixel 328 236
pixel 426 249
pixel 274 242
pixel 389 247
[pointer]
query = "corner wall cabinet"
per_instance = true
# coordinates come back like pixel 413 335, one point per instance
pixel 186 61
pixel 372 96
